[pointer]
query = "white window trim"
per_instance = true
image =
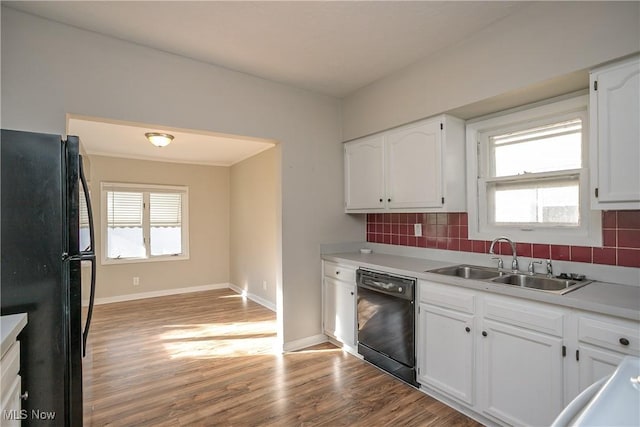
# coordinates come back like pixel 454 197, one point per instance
pixel 588 234
pixel 111 186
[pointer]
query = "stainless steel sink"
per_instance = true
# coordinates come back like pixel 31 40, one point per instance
pixel 529 281
pixel 548 284
pixel 468 272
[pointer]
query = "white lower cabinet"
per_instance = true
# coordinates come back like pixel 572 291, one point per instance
pixel 501 357
pixel 521 375
pixel 510 360
pixel 602 342
pixel 445 344
pixel 10 383
pixel 339 303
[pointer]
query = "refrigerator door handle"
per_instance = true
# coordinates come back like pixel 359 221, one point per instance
pixel 87 325
pixel 90 256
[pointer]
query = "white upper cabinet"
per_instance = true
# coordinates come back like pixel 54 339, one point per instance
pixel 364 174
pixel 414 168
pixel 615 135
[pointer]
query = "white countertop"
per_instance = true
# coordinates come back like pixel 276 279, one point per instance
pixel 599 297
pixel 11 326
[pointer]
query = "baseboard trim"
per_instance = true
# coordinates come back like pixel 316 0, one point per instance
pixel 154 294
pixel 253 297
pixel 305 342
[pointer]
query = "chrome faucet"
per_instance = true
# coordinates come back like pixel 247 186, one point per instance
pixel 514 262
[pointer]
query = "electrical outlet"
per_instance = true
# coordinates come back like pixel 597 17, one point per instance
pixel 417 230
pixel 136 281
pixel 264 285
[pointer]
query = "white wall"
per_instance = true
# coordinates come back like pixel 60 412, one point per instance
pixel 254 225
pixel 542 41
pixel 49 70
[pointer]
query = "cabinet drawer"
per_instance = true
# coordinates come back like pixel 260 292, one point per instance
pixel 527 314
pixel 614 334
pixel 10 365
pixel 340 272
pixel 447 297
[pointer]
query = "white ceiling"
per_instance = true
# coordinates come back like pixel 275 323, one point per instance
pixel 328 47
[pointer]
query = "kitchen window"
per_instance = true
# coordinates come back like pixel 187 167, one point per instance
pixel 144 223
pixel 528 175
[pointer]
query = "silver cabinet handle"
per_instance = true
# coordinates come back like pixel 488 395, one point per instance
pixel 25 395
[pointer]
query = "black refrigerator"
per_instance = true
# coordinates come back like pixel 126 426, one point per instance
pixel 41 188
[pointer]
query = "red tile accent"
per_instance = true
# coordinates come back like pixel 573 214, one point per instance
pixel 620 235
pixel 453 244
pixel 609 219
pixel 466 245
pixel 629 219
pixel 541 251
pixel 609 237
pixel 629 257
pixel 581 253
pixel 604 256
pixel 464 218
pixel 629 238
pixel 560 253
pixel 441 243
pixel 479 246
pixel 524 249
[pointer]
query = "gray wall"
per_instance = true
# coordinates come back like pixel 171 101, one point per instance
pixel 49 70
pixel 543 41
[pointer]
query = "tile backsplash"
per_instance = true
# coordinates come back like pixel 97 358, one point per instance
pixel 620 236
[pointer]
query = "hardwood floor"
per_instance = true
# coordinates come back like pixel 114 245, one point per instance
pixel 207 359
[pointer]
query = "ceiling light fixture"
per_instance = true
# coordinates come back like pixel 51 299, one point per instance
pixel 159 139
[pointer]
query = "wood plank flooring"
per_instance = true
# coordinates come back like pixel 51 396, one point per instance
pixel 207 359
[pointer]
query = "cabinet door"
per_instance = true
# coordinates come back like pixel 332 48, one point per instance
pixel 521 375
pixel 446 351
pixel 414 166
pixel 364 174
pixel 339 310
pixel 595 363
pixel 615 135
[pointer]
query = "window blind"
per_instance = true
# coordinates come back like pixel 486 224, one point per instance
pixel 84 214
pixel 124 209
pixel 165 209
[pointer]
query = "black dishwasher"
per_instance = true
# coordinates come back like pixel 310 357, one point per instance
pixel 386 322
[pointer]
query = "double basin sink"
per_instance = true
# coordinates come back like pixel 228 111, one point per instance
pixel 529 281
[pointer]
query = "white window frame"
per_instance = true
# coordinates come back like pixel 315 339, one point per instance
pixel 144 188
pixel 478 132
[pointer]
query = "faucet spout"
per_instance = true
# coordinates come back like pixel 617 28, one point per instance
pixel 514 262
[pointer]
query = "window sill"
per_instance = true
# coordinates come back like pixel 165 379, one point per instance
pixel 143 260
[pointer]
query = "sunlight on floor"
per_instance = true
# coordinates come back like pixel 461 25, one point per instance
pixel 213 340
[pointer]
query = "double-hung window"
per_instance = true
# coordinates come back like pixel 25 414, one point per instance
pixel 528 176
pixel 144 222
